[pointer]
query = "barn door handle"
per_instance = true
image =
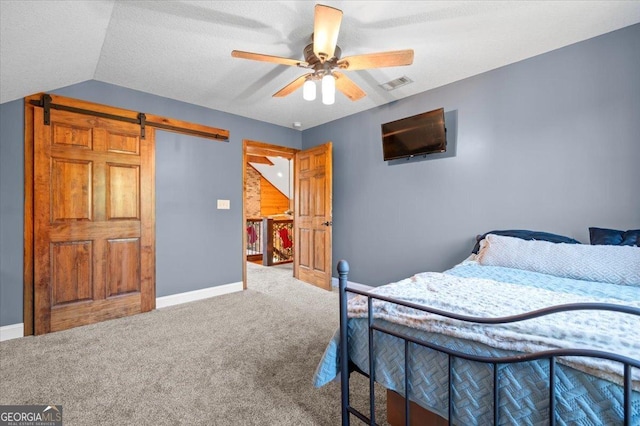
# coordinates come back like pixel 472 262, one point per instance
pixel 328 223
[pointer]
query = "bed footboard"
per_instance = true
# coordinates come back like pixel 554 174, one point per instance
pixel 549 356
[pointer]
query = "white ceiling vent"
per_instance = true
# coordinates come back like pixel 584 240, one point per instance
pixel 394 84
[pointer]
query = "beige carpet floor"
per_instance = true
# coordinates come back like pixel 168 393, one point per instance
pixel 246 358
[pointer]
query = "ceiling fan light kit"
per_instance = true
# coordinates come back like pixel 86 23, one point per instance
pixel 322 56
pixel 309 90
pixel 328 89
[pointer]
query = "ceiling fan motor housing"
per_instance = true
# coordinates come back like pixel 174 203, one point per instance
pixel 317 65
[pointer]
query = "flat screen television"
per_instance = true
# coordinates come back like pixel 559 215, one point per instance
pixel 420 134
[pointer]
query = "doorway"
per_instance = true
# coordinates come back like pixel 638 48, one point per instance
pixel 267 207
pixel 311 205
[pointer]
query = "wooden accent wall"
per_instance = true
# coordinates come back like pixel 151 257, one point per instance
pixel 262 198
pixel 272 201
pixel 252 189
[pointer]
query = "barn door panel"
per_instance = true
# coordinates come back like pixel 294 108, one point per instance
pixel 94 216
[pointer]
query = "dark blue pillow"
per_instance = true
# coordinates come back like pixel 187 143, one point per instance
pixel 614 237
pixel 524 234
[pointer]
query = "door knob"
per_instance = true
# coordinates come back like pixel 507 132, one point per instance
pixel 328 223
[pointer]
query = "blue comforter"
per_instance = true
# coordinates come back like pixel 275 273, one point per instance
pixel 582 399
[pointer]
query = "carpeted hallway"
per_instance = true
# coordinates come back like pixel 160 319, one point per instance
pixel 240 359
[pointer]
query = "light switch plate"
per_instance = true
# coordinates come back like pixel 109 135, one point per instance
pixel 224 204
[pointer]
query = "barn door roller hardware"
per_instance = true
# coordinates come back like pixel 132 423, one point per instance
pixel 45 102
pixel 142 119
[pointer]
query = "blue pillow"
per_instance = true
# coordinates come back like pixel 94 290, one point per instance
pixel 524 234
pixel 614 237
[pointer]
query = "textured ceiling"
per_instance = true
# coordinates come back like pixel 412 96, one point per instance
pixel 182 49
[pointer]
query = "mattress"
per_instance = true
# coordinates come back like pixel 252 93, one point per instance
pixel 581 398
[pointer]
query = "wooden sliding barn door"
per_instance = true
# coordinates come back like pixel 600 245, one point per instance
pixel 94 220
pixel 313 216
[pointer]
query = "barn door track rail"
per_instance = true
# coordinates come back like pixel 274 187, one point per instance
pixel 47 103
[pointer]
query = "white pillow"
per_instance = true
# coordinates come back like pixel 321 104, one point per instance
pixel 609 264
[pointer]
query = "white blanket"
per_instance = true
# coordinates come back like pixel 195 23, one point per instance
pixel 607 331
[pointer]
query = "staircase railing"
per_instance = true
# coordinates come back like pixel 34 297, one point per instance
pixel 270 239
pixel 277 247
pixel 254 239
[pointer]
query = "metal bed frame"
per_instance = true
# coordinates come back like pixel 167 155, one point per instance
pixel 550 355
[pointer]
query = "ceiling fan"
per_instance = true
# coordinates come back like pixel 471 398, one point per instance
pixel 322 56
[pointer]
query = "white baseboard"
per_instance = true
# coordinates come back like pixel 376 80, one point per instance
pixel 191 296
pixel 13 331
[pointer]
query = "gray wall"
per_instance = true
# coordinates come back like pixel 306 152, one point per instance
pixel 197 246
pixel 551 143
pixel 11 210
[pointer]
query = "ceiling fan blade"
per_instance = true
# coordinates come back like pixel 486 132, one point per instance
pixel 269 58
pixel 377 60
pixel 326 27
pixel 291 87
pixel 348 87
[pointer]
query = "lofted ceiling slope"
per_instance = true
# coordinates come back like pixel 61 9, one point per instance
pixel 182 49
